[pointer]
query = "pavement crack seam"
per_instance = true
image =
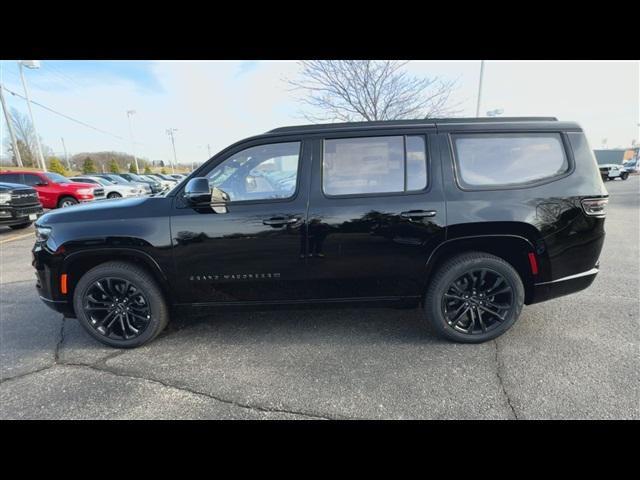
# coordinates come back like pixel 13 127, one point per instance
pixel 196 392
pixel 500 380
pixel 56 354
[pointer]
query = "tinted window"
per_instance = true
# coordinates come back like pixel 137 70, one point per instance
pixel 416 163
pixel 31 180
pixel 506 159
pixel 374 165
pixel 56 177
pixel 10 178
pixel 264 172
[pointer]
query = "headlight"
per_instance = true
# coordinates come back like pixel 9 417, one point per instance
pixel 5 197
pixel 85 191
pixel 42 234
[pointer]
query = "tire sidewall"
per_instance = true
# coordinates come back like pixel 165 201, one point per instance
pixel 142 283
pixel 433 305
pixel 113 195
pixel 65 199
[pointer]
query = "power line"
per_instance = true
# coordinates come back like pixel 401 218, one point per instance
pixel 67 116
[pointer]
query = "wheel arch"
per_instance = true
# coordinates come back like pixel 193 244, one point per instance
pixel 78 263
pixel 512 248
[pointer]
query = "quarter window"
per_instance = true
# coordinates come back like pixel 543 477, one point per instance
pixel 367 165
pixel 508 159
pixel 263 172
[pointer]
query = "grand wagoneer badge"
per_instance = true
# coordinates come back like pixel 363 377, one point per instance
pixel 235 276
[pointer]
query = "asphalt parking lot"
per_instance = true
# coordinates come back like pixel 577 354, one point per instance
pixel 576 357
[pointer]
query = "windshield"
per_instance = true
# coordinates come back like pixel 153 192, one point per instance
pixel 118 180
pixel 137 178
pixel 56 177
pixel 101 181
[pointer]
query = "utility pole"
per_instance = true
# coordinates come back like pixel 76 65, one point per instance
pixel 32 64
pixel 209 150
pixel 16 150
pixel 175 158
pixel 480 88
pixel 133 143
pixel 66 156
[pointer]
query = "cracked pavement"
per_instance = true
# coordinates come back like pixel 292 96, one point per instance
pixel 572 358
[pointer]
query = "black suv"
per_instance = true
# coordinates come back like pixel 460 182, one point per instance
pixel 19 205
pixel 469 218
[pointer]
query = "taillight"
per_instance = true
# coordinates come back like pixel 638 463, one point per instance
pixel 595 207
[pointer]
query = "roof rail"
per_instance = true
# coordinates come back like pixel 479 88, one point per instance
pixel 401 123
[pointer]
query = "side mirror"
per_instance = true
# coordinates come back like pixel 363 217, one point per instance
pixel 197 191
pixel 42 184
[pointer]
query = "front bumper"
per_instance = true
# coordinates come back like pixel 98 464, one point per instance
pixel 47 284
pixel 10 215
pixel 563 286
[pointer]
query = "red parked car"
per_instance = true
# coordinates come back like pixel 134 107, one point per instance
pixel 54 190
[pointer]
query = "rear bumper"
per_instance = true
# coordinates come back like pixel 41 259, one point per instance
pixel 563 286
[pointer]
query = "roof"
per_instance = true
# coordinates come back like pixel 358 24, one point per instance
pixel 427 122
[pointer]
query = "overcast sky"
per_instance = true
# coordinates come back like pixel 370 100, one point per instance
pixel 220 102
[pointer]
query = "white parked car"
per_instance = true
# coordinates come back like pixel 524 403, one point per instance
pixel 111 190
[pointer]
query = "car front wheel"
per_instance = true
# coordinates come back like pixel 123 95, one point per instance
pixel 120 305
pixel 114 195
pixel 474 297
pixel 67 202
pixel 624 175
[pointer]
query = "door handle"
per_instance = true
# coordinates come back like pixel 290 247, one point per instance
pixel 411 214
pixel 280 221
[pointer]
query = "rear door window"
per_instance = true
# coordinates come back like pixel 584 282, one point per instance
pixel 374 165
pixel 11 178
pixel 505 159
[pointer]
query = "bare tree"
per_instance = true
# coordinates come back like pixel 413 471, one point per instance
pixel 25 138
pixel 348 90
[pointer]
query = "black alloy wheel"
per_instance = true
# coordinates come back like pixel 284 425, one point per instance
pixel 477 302
pixel 116 308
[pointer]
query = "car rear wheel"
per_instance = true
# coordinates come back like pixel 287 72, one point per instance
pixel 120 305
pixel 474 297
pixel 114 195
pixel 65 202
pixel 20 226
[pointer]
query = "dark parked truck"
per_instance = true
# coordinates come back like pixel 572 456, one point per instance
pixel 468 218
pixel 19 205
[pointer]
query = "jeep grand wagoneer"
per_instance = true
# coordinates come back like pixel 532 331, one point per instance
pixel 470 219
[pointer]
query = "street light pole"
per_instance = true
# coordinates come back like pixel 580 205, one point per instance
pixel 66 155
pixel 133 143
pixel 32 64
pixel 480 88
pixel 175 158
pixel 16 150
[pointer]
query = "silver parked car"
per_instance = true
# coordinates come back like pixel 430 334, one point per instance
pixel 111 189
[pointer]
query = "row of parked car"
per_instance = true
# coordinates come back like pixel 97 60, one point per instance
pixel 24 194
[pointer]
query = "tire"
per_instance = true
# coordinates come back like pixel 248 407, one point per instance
pixel 478 330
pixel 110 275
pixel 624 175
pixel 67 202
pixel 20 226
pixel 114 195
